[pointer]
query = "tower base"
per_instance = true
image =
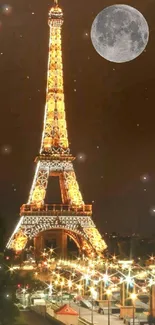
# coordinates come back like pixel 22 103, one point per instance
pixel 56 239
pixel 55 225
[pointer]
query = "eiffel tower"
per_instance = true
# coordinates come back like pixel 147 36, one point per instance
pixel 71 218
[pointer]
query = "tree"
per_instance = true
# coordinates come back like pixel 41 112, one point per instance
pixel 2 232
pixel 8 310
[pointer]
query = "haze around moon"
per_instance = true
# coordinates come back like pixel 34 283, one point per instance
pixel 119 33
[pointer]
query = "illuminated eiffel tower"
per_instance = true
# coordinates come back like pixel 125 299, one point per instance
pixel 71 218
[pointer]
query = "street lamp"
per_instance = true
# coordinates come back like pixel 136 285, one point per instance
pixel 69 286
pixel 108 292
pixel 50 287
pixel 79 287
pixel 24 300
pixel 133 297
pixel 62 284
pixel 93 296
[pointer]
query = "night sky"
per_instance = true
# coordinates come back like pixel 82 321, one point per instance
pixel 110 114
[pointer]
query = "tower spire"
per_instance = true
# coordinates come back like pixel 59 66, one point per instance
pixel 55 137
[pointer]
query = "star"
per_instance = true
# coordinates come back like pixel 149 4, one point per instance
pixel 6 9
pixel 6 149
pixel 144 178
pixel 152 210
pixel 81 157
pixel 86 35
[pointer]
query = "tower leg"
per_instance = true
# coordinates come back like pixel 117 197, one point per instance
pixel 61 243
pixel 58 237
pixel 38 245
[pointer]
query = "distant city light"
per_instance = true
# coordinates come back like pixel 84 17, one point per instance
pixel 133 296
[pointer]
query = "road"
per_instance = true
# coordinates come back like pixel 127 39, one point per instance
pixel 31 318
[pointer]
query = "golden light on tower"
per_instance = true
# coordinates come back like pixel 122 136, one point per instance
pixel 55 159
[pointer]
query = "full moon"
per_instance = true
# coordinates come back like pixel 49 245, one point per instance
pixel 119 33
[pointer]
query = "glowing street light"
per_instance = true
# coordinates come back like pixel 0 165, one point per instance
pixel 129 280
pixel 70 283
pixel 151 282
pixel 11 269
pixel 133 296
pixel 62 283
pixel 105 277
pixel 79 287
pixel 108 292
pixel 50 286
pixel 56 282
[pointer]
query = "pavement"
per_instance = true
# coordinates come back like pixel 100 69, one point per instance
pixel 31 318
pixel 98 319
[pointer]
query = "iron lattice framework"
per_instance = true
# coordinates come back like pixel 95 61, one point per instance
pixel 55 160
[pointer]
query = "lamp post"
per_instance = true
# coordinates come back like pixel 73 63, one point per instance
pixel 69 286
pixel 50 287
pixel 133 297
pixel 56 282
pixel 62 284
pixel 108 292
pixel 93 296
pixel 24 299
pixel 79 287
